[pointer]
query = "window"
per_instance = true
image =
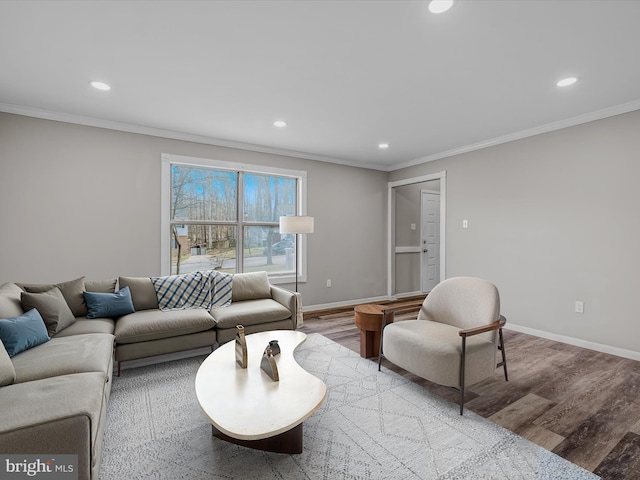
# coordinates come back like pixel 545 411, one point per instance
pixel 220 215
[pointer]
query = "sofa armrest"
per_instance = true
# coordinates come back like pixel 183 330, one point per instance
pixel 286 298
pixel 59 415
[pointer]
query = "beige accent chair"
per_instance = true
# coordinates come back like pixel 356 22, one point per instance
pixel 456 337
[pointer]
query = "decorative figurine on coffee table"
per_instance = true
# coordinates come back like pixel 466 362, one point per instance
pixel 241 347
pixel 275 348
pixel 268 364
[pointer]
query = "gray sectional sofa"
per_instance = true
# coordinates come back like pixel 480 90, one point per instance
pixel 54 395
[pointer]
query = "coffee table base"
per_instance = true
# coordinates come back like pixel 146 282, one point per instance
pixel 286 442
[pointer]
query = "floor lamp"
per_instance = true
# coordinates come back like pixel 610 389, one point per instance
pixel 296 225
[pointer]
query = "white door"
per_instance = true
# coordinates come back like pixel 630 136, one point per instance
pixel 430 240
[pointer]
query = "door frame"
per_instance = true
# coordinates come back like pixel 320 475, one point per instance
pixel 391 217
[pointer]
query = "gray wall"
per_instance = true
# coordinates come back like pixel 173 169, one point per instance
pixel 553 219
pixel 78 200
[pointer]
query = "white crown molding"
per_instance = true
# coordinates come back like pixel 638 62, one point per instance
pixel 189 137
pixel 175 135
pixel 549 127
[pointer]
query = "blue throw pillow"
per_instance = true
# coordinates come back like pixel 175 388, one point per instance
pixel 24 332
pixel 108 305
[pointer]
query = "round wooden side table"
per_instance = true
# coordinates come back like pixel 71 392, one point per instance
pixel 369 321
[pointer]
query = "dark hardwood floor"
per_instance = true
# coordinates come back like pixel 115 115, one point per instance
pixel 581 404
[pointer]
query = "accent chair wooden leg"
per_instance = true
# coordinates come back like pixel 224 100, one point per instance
pixel 504 357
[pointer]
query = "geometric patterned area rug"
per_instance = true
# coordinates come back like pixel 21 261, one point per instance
pixel 372 425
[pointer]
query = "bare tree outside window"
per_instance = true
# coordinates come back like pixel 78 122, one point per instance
pixel 205 222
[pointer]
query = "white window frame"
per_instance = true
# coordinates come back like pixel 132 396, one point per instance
pixel 169 159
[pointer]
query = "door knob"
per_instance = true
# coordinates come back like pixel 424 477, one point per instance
pixel 425 250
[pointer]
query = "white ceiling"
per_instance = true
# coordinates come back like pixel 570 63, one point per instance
pixel 345 75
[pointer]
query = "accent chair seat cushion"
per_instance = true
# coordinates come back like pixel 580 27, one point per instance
pixel 148 325
pixel 250 312
pixel 432 351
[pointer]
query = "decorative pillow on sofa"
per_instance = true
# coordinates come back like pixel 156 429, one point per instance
pixel 71 291
pixel 109 305
pixel 143 294
pixel 100 286
pixel 53 308
pixel 23 332
pixel 10 304
pixel 250 286
pixel 7 372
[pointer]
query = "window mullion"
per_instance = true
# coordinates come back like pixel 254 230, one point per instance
pixel 240 215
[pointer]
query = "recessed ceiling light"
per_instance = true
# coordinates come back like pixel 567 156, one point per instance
pixel 440 6
pixel 565 82
pixel 382 146
pixel 100 86
pixel 279 123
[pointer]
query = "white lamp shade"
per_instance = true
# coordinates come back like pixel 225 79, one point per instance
pixel 296 224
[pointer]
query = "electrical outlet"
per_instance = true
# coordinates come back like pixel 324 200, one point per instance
pixel 328 282
pixel 579 306
pixel 465 224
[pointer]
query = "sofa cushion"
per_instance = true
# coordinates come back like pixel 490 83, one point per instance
pixel 101 286
pixel 85 325
pixel 7 372
pixel 10 303
pixel 66 355
pixel 250 286
pixel 23 332
pixel 52 306
pixel 155 324
pixel 249 312
pixel 109 305
pixel 143 292
pixel 71 291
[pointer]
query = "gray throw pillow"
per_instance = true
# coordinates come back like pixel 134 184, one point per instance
pixel 71 291
pixel 143 293
pixel 101 286
pixel 10 304
pixel 7 372
pixel 52 307
pixel 250 286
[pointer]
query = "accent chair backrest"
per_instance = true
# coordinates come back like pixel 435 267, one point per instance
pixel 463 302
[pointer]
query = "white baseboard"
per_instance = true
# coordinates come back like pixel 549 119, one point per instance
pixel 598 347
pixel 347 303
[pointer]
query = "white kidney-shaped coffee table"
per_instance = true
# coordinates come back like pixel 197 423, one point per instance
pixel 246 407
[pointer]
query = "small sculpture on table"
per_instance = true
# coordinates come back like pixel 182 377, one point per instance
pixel 241 347
pixel 275 348
pixel 268 364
